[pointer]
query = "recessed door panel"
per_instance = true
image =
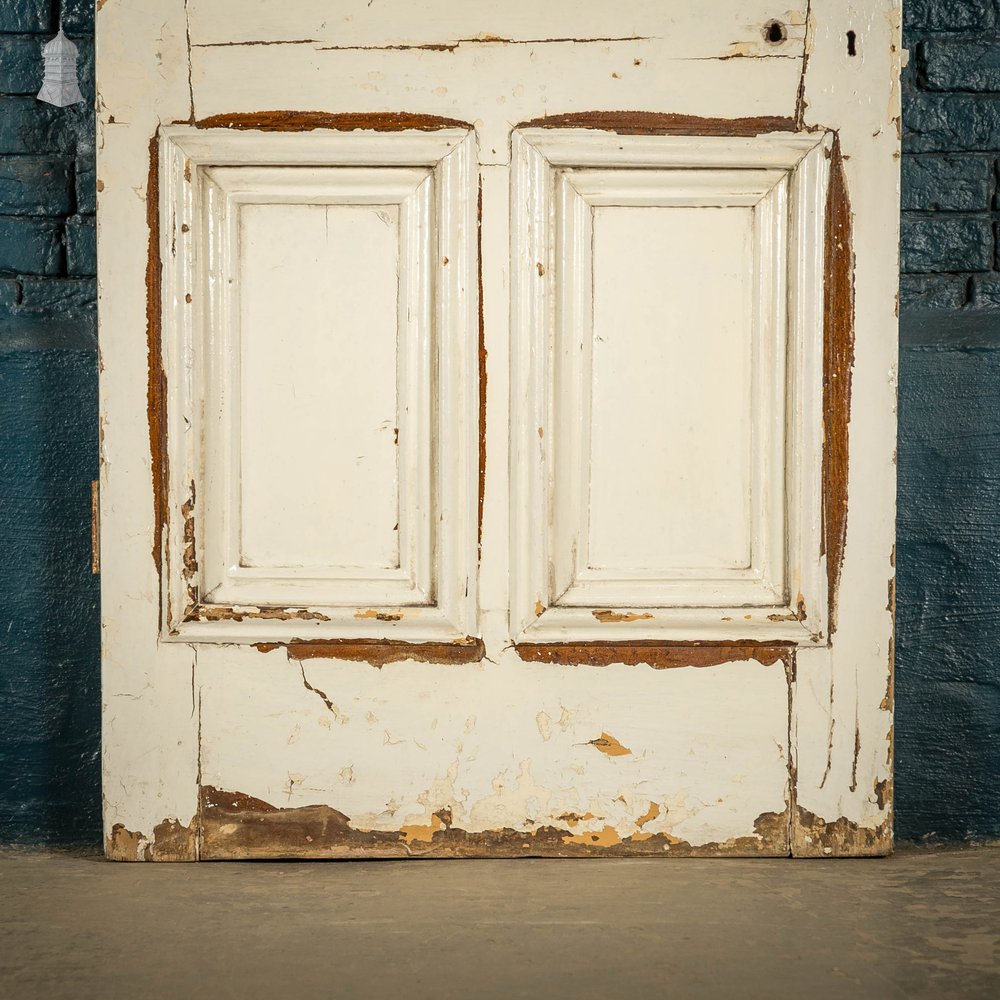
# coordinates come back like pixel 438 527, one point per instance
pixel 676 489
pixel 328 366
pixel 318 332
pixel 317 373
pixel 670 441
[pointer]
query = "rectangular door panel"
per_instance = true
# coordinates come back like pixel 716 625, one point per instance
pixel 320 367
pixel 670 312
pixel 681 439
pixel 329 311
pixel 670 377
pixel 337 382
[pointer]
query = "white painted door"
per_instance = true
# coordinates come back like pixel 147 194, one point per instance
pixel 497 427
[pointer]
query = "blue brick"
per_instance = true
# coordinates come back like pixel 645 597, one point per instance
pixel 947 15
pixel 81 245
pixel 947 183
pixel 86 185
pixel 85 70
pixel 29 126
pixel 961 65
pixel 50 697
pixel 30 186
pixel 30 246
pixel 77 16
pixel 86 140
pixel 986 291
pixel 940 244
pixel 20 64
pixel 950 122
pixel 27 15
pixel 10 295
pixel 64 297
pixel 948 591
pixel 932 291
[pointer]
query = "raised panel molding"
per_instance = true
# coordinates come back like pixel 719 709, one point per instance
pixel 672 492
pixel 319 331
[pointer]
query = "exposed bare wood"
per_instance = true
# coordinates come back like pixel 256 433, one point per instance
pixel 838 365
pixel 658 655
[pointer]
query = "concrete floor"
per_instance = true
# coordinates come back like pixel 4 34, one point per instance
pixel 921 924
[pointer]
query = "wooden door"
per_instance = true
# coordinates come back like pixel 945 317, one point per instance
pixel 498 427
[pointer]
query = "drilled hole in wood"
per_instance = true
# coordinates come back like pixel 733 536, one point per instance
pixel 775 32
pixel 852 44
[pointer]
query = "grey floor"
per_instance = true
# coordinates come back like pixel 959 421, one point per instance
pixel 921 924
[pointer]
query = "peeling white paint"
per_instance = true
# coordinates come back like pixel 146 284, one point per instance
pixel 496 743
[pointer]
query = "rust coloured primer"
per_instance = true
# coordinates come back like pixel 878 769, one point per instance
pixel 482 371
pixel 235 825
pixel 308 121
pixel 156 395
pixel 838 364
pixel 658 655
pixel 657 123
pixel 379 652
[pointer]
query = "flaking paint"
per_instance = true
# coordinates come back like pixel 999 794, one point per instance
pixel 838 365
pixel 315 650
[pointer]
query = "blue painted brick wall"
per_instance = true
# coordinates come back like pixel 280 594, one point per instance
pixel 948 530
pixel 948 557
pixel 49 611
pixel 47 203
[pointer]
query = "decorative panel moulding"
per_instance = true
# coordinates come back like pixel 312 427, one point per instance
pixel 319 330
pixel 667 410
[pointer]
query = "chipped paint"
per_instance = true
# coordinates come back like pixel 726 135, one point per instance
pixel 239 613
pixel 95 527
pixel 483 357
pixel 235 825
pixel 882 791
pixel 565 801
pixel 798 615
pixel 190 559
pixel 800 96
pixel 657 123
pixel 608 615
pixel 572 819
pixel 308 121
pixel 544 723
pixel 484 38
pixel 382 616
pixel 838 365
pixel 171 841
pixel 815 837
pixel 658 655
pixel 156 393
pixel 607 744
pixel 379 652
pixel 606 837
pixel 440 820
pixel 649 815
